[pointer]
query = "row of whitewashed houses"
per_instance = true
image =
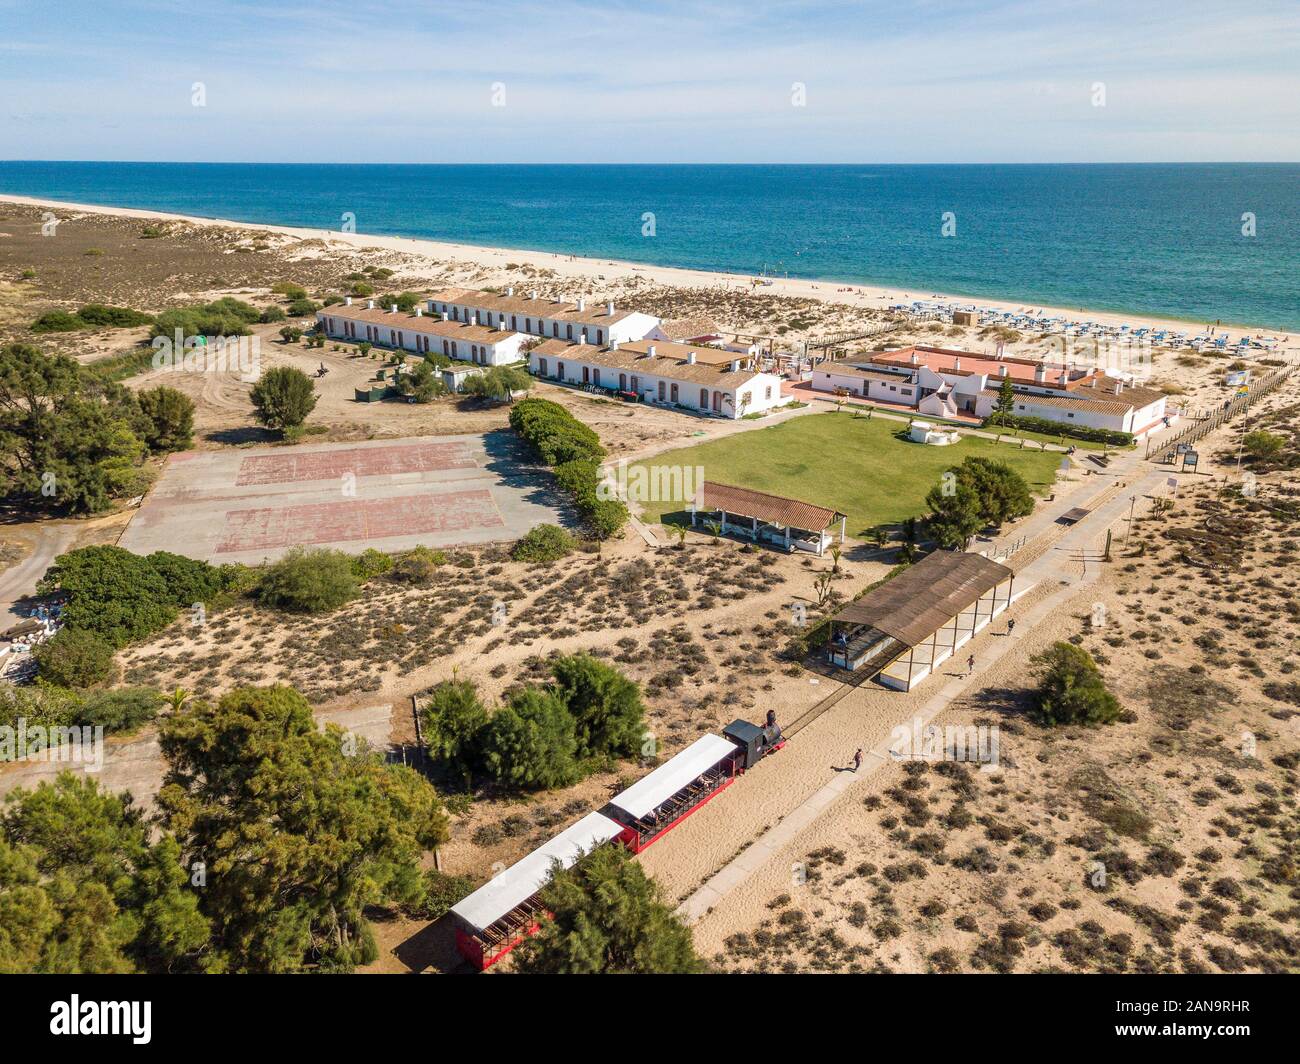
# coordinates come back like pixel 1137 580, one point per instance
pixel 946 383
pixel 598 346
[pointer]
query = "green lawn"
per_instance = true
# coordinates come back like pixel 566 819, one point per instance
pixel 858 466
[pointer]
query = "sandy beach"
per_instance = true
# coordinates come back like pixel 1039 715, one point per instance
pixel 599 272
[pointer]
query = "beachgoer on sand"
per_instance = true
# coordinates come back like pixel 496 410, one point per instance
pixel 857 759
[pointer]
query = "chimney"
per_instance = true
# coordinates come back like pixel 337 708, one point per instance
pixel 916 359
pixel 532 294
pixel 510 290
pixel 609 308
pixel 1119 387
pixel 735 365
pixel 613 345
pixel 1064 378
pixel 502 323
pixel 582 302
pixel 347 301
pixel 445 315
pixel 419 312
pixel 370 304
pixel 1040 373
pixel 650 351
pixel 582 338
pixel 392 307
pixel 1003 371
pixel 690 358
pixel 956 364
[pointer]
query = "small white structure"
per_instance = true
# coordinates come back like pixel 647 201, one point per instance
pixel 924 432
pixel 420 333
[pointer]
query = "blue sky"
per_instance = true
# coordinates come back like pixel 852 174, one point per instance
pixel 616 81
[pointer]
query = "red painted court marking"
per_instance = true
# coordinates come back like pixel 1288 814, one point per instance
pixel 266 528
pixel 360 461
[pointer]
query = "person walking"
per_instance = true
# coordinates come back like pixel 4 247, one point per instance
pixel 857 759
pixel 970 665
pixel 1011 625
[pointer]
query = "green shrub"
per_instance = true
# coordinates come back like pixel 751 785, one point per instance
pixel 121 711
pixel 608 714
pixel 544 543
pixel 308 581
pixel 556 435
pixel 530 743
pixel 99 315
pixel 222 317
pixel 283 397
pixel 371 563
pixel 1072 690
pixel 270 315
pixel 74 657
pixel 418 565
pixel 188 580
pixel 57 321
pixel 118 595
pixel 168 419
pixel 453 721
pixel 301 308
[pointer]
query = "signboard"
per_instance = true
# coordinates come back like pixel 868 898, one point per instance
pixel 1237 377
pixel 1190 458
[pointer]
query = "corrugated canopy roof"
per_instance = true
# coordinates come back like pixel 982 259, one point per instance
pixel 774 509
pixel 919 601
pixel 651 791
pixel 526 877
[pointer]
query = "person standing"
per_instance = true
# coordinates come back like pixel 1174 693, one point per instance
pixel 970 665
pixel 857 759
pixel 1011 625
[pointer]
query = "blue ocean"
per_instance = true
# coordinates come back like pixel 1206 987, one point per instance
pixel 1202 242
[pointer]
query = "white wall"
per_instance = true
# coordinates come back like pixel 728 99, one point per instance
pixel 762 392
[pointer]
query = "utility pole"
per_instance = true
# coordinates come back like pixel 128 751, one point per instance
pixel 1129 532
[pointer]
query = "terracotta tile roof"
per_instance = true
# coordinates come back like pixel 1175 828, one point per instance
pixel 427 324
pixel 774 509
pixel 710 356
pixel 669 361
pixel 922 599
pixel 688 328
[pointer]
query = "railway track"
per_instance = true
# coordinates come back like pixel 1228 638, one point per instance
pixel 854 681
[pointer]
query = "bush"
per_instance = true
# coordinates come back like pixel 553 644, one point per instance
pixel 189 581
pixel 168 419
pixel 101 316
pixel 608 714
pixel 222 317
pixel 121 711
pixel 270 315
pixel 453 722
pixel 119 596
pixel 544 543
pixel 283 397
pixel 1058 428
pixel 57 321
pixel 289 290
pixel 74 657
pixel 418 565
pixel 301 308
pixel 441 892
pixel 308 581
pixel 556 435
pixel 1072 690
pixel 371 563
pixel 530 742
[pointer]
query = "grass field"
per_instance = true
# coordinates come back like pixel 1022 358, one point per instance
pixel 858 466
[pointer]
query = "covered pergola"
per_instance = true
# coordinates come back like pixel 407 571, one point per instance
pixel 790 523
pixel 910 625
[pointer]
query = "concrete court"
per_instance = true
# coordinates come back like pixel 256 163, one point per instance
pixel 254 504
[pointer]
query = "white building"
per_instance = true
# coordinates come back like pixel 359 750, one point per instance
pixel 703 379
pixel 943 383
pixel 420 332
pixel 602 323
